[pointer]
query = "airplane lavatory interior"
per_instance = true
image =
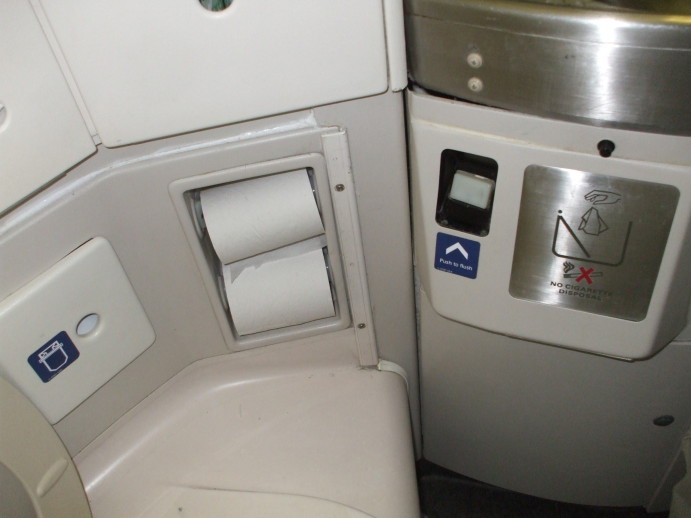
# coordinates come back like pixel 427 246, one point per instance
pixel 345 258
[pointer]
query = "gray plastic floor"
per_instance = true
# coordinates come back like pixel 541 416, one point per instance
pixel 443 494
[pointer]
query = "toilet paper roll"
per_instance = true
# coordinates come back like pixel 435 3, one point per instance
pixel 279 292
pixel 250 217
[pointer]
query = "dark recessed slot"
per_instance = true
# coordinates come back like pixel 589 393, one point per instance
pixel 468 206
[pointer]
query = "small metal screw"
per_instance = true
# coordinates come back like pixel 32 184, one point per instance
pixel 474 60
pixel 361 326
pixel 340 187
pixel 475 84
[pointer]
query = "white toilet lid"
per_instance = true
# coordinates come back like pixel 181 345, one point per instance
pixel 37 475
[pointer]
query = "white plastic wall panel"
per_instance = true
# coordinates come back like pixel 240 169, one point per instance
pixel 42 132
pixel 47 353
pixel 546 421
pixel 485 301
pixel 163 67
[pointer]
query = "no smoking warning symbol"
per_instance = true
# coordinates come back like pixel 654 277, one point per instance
pixel 582 275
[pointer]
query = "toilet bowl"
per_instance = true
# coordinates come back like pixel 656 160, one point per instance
pixel 253 434
pixel 37 475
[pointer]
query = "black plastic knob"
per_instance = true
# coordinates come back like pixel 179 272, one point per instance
pixel 606 148
pixel 663 420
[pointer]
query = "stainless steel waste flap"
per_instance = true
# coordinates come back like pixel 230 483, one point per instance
pixel 590 242
pixel 616 63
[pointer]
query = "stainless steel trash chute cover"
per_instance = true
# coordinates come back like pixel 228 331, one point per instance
pixel 613 63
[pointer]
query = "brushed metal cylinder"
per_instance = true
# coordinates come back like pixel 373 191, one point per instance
pixel 603 64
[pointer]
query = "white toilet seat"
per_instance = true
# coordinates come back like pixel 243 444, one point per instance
pixel 297 424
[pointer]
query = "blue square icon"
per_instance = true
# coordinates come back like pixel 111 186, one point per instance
pixel 457 255
pixel 53 357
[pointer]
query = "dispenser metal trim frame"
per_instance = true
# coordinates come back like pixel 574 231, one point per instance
pixel 323 151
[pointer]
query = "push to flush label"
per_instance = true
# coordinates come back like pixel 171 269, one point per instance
pixel 53 357
pixel 590 242
pixel 457 255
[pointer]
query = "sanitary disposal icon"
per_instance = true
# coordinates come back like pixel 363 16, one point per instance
pixel 53 357
pixel 584 242
pixel 592 223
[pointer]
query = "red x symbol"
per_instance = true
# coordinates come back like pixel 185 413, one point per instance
pixel 585 274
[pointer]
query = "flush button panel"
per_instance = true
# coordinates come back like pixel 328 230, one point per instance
pixel 590 242
pixel 466 191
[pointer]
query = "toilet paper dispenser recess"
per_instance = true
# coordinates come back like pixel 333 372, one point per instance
pixel 265 237
pixel 268 238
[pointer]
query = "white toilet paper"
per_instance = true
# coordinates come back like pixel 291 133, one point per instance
pixel 254 216
pixel 279 290
pixel 232 271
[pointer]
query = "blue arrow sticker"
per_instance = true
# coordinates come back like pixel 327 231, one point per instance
pixel 457 255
